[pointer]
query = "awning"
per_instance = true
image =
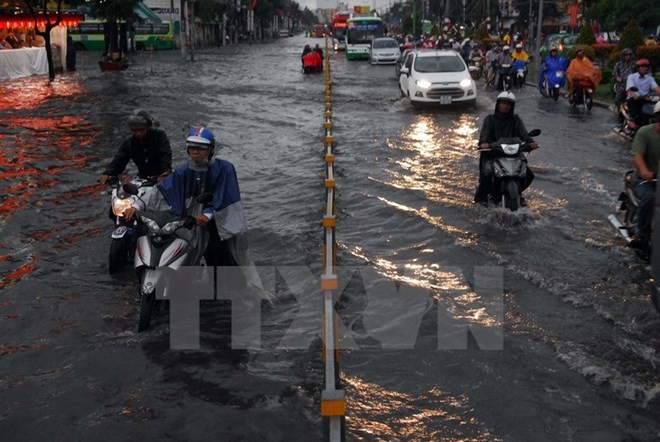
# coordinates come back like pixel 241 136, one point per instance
pixel 146 14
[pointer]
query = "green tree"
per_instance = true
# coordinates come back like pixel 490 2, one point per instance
pixel 586 36
pixel 614 14
pixel 631 36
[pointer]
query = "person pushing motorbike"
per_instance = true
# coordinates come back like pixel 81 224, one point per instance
pixel 223 216
pixel 503 123
pixel 148 147
pixel 646 154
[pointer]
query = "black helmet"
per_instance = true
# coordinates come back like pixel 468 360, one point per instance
pixel 626 51
pixel 140 118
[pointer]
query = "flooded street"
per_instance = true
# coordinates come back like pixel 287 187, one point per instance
pixel 578 356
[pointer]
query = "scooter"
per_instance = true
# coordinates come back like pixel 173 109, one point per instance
pixel 125 233
pixel 507 170
pixel 520 72
pixel 583 94
pixel 628 127
pixel 506 76
pixel 553 81
pixel 474 66
pixel 625 219
pixel 170 242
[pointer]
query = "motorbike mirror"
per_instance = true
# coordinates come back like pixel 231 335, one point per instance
pixel 130 188
pixel 535 132
pixel 204 198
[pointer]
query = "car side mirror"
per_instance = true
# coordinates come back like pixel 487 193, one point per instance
pixel 404 71
pixel 535 132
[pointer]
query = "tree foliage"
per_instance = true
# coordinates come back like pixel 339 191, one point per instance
pixel 586 36
pixel 631 37
pixel 614 14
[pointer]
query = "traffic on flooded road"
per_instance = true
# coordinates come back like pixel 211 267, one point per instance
pixel 458 321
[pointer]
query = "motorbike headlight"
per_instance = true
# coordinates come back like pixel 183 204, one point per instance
pixel 119 205
pixel 152 225
pixel 466 82
pixel 170 227
pixel 510 149
pixel 424 84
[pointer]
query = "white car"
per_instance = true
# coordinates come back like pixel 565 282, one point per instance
pixel 384 50
pixel 436 76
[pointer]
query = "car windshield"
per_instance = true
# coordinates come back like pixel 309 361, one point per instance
pixel 380 44
pixel 439 63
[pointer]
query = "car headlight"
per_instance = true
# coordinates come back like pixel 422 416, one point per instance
pixel 119 205
pixel 424 84
pixel 466 82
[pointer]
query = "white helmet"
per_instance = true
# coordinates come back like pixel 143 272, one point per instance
pixel 508 96
pixel 506 48
pixel 519 46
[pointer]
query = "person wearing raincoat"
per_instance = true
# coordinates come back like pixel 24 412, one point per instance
pixel 581 68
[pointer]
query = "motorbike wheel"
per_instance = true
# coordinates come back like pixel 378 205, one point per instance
pixel 118 255
pixel 146 307
pixel 588 101
pixel 511 195
pixel 555 93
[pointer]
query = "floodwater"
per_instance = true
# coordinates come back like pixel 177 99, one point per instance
pixel 566 349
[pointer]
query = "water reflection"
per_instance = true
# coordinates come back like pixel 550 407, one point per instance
pixel 379 413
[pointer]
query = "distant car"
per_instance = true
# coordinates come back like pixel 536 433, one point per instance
pixel 384 50
pixel 437 76
pixel 564 43
pixel 399 62
pixel 283 33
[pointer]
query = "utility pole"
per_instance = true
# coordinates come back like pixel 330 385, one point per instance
pixel 414 18
pixel 192 30
pixel 537 55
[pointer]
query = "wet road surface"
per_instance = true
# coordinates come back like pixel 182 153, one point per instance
pixel 580 339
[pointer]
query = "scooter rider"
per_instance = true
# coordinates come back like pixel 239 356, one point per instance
pixel 148 147
pixel 620 72
pixel 552 63
pixel 646 154
pixel 503 123
pixel 223 216
pixel 520 55
pixel 638 86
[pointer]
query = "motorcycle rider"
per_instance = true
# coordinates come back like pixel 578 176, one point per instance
pixel 620 72
pixel 646 154
pixel 223 216
pixel 638 86
pixel 552 63
pixel 503 123
pixel 148 147
pixel 504 58
pixel 520 55
pixel 580 68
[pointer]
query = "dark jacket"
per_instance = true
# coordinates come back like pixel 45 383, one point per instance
pixel 151 158
pixel 495 128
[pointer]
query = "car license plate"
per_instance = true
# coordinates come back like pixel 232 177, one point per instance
pixel 445 99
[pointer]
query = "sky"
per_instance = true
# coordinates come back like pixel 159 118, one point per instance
pixel 329 4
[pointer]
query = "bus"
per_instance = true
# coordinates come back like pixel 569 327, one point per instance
pixel 154 35
pixel 89 35
pixel 318 30
pixel 339 26
pixel 361 31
